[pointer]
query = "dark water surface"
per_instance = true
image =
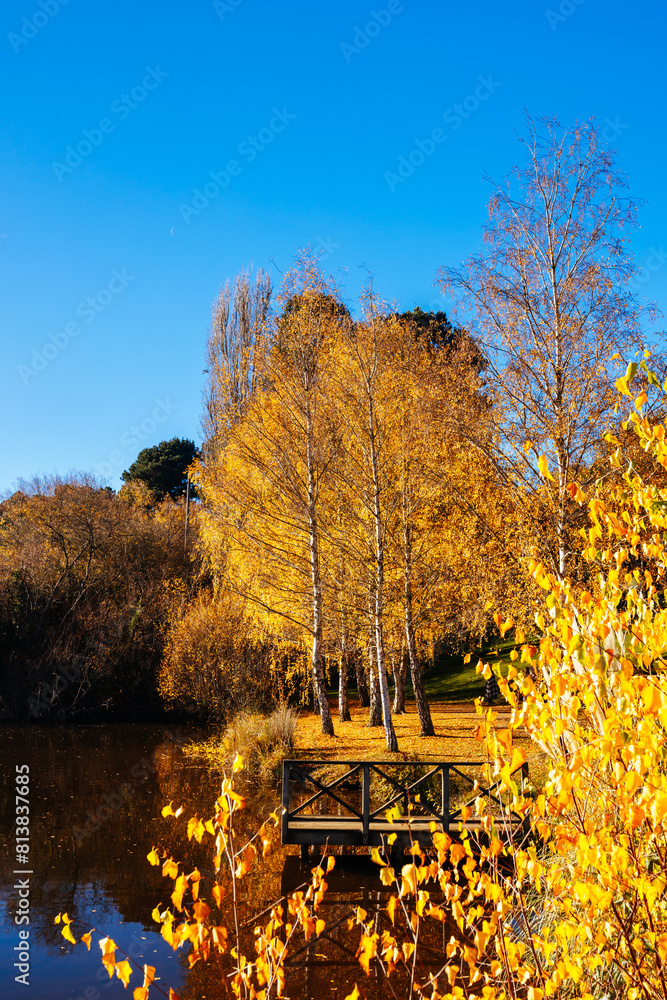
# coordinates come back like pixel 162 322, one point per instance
pixel 95 800
pixel 95 797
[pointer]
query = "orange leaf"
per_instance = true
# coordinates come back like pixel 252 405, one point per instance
pixel 170 868
pixel 124 971
pixel 149 974
pixel 179 889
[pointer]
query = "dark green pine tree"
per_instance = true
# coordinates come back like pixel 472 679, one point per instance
pixel 162 467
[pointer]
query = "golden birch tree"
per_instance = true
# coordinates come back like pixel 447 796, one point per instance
pixel 547 302
pixel 274 465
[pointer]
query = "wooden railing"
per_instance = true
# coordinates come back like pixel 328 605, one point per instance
pixel 364 822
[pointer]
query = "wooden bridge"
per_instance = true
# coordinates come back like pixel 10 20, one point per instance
pixel 351 808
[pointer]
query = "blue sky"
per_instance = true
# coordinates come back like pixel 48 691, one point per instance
pixel 114 115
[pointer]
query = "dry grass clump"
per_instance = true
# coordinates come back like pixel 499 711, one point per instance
pixel 262 740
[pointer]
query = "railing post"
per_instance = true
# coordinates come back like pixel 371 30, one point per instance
pixel 366 801
pixel 285 801
pixel 445 797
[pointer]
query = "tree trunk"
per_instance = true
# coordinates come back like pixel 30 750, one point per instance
pixel 316 656
pixel 362 683
pixel 374 706
pixel 390 735
pixel 343 707
pixel 400 673
pixel 421 702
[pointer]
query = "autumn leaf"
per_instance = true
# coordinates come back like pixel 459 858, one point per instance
pixel 149 974
pixel 238 763
pixel 153 857
pixel 544 468
pixel 67 934
pixel 124 971
pixel 179 889
pixel 169 868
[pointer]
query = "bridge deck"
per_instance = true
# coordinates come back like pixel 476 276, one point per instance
pixel 361 818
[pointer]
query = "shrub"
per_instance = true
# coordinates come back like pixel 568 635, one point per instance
pixel 263 740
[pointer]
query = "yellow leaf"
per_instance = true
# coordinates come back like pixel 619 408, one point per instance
pixel 140 993
pixel 153 857
pixel 86 938
pixel 56 919
pixel 354 995
pixel 544 468
pixel 167 810
pixel 238 764
pixel 170 869
pixel 124 971
pixel 506 626
pixel 179 888
pixel 149 974
pixel 67 934
pixel 387 875
pixel 218 893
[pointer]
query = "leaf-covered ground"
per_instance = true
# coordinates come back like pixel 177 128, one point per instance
pixel 455 739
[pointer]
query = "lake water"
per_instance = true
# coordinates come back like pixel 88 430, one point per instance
pixel 95 799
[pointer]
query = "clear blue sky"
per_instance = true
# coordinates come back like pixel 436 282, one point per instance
pixel 314 109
